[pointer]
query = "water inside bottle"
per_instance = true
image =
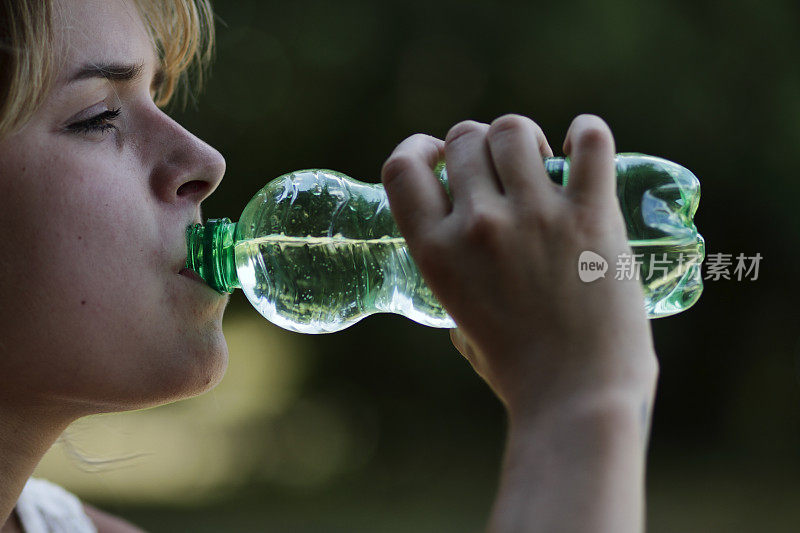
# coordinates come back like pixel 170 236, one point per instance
pixel 325 284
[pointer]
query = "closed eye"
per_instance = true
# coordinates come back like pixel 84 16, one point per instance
pixel 98 123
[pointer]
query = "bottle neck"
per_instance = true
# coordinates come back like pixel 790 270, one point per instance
pixel 558 169
pixel 210 253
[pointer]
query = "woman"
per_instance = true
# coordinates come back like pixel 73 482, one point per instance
pixel 97 185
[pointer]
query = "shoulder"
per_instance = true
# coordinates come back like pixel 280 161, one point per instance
pixel 45 506
pixel 107 523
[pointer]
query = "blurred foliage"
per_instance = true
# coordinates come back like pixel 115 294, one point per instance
pixel 709 85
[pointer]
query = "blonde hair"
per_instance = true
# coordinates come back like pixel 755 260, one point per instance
pixel 182 32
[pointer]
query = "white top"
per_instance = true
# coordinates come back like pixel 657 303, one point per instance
pixel 47 508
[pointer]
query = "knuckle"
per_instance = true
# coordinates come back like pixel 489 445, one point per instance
pixel 420 139
pixel 509 124
pixel 463 129
pixel 485 228
pixel 593 132
pixel 394 167
pixel 594 136
pixel 518 129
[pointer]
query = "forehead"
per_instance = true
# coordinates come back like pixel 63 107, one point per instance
pixel 100 31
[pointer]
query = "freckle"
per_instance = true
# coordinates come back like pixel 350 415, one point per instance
pixel 80 238
pixel 83 302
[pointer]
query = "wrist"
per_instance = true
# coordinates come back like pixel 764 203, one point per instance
pixel 587 457
pixel 611 416
pixel 578 381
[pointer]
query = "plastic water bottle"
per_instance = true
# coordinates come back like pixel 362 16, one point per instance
pixel 315 251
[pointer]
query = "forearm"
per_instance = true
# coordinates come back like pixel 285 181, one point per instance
pixel 577 468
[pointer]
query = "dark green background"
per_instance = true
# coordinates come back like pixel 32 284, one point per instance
pixel 714 86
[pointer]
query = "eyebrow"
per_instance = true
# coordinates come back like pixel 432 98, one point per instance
pixel 108 71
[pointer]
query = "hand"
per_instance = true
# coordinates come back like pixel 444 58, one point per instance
pixel 502 258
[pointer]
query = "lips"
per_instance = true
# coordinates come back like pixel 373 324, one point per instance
pixel 181 267
pixel 189 273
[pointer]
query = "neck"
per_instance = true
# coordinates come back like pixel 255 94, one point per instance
pixel 26 433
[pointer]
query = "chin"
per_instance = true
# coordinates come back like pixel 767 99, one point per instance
pixel 201 369
pixel 169 376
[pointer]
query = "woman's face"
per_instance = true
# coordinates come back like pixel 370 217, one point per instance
pixel 96 193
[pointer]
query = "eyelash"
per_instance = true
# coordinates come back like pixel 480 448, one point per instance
pixel 99 123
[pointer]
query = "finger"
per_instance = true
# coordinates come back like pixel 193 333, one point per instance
pixel 466 348
pixel 592 173
pixel 469 166
pixel 462 345
pixel 457 340
pixel 518 146
pixel 416 197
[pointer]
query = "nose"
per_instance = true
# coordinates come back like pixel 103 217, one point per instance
pixel 184 168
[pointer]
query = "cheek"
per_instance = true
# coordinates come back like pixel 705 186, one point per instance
pixel 92 238
pixel 117 333
pixel 96 310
